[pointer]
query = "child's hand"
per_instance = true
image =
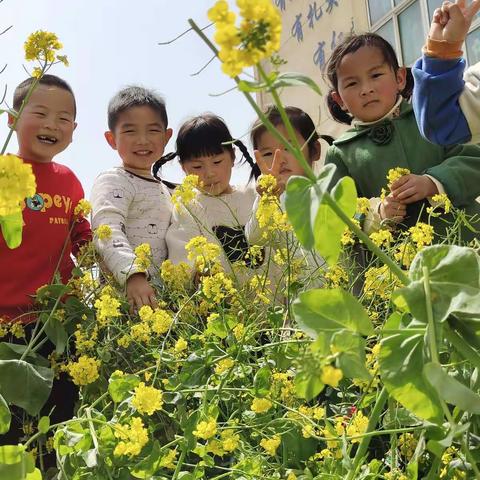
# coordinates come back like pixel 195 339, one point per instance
pixel 272 169
pixel 392 209
pixel 452 21
pixel 412 188
pixel 140 292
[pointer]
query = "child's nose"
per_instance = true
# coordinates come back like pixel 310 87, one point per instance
pixel 367 88
pixel 50 123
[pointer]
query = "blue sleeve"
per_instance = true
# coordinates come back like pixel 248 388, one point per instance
pixel 438 86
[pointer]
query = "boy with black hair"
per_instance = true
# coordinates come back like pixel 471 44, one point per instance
pixel 51 231
pixel 128 199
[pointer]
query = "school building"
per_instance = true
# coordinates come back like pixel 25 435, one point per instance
pixel 312 29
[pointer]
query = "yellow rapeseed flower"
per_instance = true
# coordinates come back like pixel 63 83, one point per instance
pixel 382 238
pixel 103 232
pixel 132 437
pixel 441 199
pixel 363 205
pixel 421 234
pixel 230 440
pixel 83 208
pixel 42 46
pixel 331 376
pixel 181 345
pixel 217 287
pixel 261 405
pixel 84 371
pixel 175 276
pixel 270 445
pixel 17 182
pixel 168 459
pixel 224 365
pixel 395 173
pixel 202 253
pixel 107 307
pixel 206 429
pixel 143 254
pixel 147 399
pixel 186 192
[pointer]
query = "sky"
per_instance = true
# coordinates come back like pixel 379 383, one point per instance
pixel 114 43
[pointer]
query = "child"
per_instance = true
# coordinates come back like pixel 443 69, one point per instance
pixel 51 233
pixel 446 105
pixel 220 210
pixel 367 84
pixel 128 199
pixel 274 158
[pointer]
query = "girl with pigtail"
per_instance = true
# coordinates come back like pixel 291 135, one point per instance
pixel 219 210
pixel 367 92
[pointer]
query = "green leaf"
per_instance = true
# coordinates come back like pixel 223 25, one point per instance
pixel 35 475
pixel 291 79
pixel 330 310
pixel 352 354
pixel 454 277
pixel 262 382
pixel 298 203
pixel 401 363
pixel 451 390
pixel 302 201
pixel 57 334
pixel 44 424
pixel 12 351
pixel 328 227
pixel 120 386
pixel 11 227
pixel 5 416
pixel 15 462
pixel 25 385
pixel 149 465
pixel 308 384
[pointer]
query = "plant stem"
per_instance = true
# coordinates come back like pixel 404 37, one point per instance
pixel 431 334
pixel 181 459
pixel 372 425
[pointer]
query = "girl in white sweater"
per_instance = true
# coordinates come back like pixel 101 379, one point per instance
pixel 220 211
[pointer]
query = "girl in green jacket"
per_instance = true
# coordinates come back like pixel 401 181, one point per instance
pixel 367 85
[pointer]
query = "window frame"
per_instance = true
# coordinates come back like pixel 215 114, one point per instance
pixel 393 15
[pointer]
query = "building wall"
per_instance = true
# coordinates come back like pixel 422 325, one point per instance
pixel 311 30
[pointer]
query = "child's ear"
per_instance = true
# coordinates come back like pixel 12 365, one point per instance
pixel 168 135
pixel 401 78
pixel 316 152
pixel 338 99
pixel 110 138
pixel 11 120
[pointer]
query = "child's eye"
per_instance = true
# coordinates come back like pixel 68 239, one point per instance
pixel 155 130
pixel 216 162
pixel 350 84
pixel 64 119
pixel 40 114
pixel 375 75
pixel 128 131
pixel 266 154
pixel 196 167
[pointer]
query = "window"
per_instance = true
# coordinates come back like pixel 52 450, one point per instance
pixel 405 24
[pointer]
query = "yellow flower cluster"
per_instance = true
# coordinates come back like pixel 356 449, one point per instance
pixel 107 307
pixel 441 200
pixel 16 183
pixel 382 238
pixel 355 426
pixel 83 208
pixel 348 237
pixel 331 376
pixel 206 429
pixel 181 345
pixel 379 281
pixel 224 365
pixel 270 445
pixel 85 342
pixel 159 320
pixel 405 254
pixel 261 405
pixel 336 276
pixel 257 37
pixel 147 399
pixel 217 287
pixel 363 205
pixel 202 253
pixel 143 254
pixel 84 371
pixel 186 192
pixel 103 232
pixel 132 437
pixel 421 234
pixel 176 276
pixel 168 459
pixel 43 46
pixel 229 442
pixel 270 216
pixel 395 173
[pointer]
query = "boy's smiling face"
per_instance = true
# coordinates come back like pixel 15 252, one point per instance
pixel 139 137
pixel 46 125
